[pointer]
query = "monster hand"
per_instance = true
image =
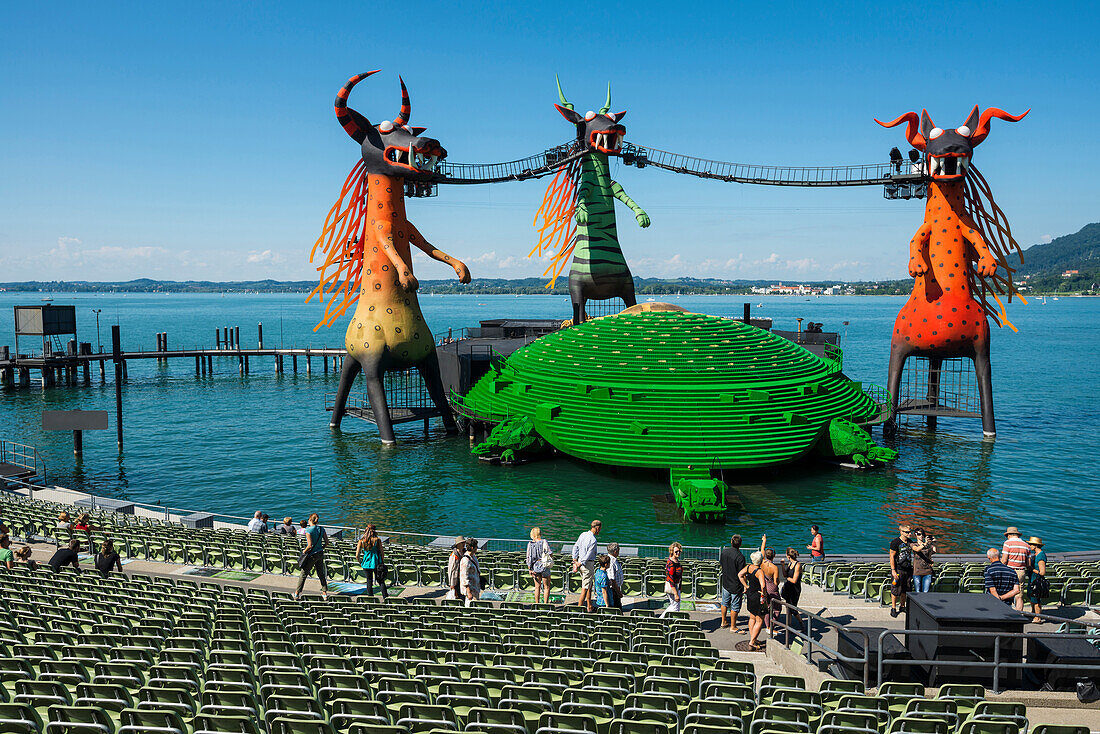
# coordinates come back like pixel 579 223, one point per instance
pixel 408 281
pixel 461 271
pixel 643 219
pixel 582 214
pixel 987 266
pixel 917 265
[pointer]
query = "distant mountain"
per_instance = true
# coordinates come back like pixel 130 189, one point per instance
pixel 1078 251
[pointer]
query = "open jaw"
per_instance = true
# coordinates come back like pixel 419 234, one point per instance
pixel 948 165
pixel 606 141
pixel 413 158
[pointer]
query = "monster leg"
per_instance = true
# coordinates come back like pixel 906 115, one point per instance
pixel 373 373
pixel 629 299
pixel 984 374
pixel 899 352
pixel 934 366
pixel 429 372
pixel 347 378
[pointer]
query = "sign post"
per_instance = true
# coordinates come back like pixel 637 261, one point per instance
pixel 76 421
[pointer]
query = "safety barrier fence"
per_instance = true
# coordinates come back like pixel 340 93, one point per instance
pixel 997 666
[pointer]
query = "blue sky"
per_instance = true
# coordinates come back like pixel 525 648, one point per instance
pixel 197 140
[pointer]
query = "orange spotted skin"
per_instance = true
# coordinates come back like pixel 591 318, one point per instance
pixel 387 320
pixel 942 316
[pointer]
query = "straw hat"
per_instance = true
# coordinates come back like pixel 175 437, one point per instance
pixel 1033 540
pixel 1012 530
pixel 460 541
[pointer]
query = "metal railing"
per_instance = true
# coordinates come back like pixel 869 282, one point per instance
pixel 535 166
pixel 22 455
pixel 996 666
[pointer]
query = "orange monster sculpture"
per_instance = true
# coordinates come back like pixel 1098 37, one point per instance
pixel 958 257
pixel 366 243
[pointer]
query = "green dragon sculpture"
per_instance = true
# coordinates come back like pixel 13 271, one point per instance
pixel 584 193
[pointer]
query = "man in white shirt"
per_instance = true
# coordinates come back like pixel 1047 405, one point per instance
pixel 584 560
pixel 256 524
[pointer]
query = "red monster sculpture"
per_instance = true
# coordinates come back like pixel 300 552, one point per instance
pixel 958 258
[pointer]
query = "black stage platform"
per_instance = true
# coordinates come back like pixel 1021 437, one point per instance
pixel 964 613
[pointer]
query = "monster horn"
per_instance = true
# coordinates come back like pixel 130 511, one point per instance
pixel 607 104
pixel 406 106
pixel 353 123
pixel 987 117
pixel 915 138
pixel 561 95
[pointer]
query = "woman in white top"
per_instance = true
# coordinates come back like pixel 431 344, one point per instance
pixel 538 551
pixel 470 573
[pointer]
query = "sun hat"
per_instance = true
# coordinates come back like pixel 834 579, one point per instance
pixel 1035 540
pixel 1012 530
pixel 460 541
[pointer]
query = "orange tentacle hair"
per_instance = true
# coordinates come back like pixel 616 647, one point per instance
pixel 341 242
pixel 558 225
pixel 993 226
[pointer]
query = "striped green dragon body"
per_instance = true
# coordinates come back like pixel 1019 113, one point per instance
pixel 599 270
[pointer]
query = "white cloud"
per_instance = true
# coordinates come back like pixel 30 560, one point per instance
pixel 1046 238
pixel 266 257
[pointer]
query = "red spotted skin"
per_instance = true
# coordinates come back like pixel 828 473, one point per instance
pixel 942 317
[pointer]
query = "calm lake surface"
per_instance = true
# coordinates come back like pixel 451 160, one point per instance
pixel 235 444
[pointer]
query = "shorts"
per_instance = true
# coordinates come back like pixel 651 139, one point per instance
pixel 588 576
pixel 542 574
pixel 901 586
pixel 1021 574
pixel 732 600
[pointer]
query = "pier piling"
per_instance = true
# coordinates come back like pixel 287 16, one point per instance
pixel 294 363
pixel 260 334
pixel 120 367
pixel 237 337
pixel 217 339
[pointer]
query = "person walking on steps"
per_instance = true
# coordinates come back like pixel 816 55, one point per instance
pixel 470 572
pixel 373 560
pixel 615 575
pixel 901 570
pixel 1038 588
pixel 674 574
pixel 752 578
pixel 313 557
pixel 454 569
pixel 584 560
pixel 731 561
pixel 539 562
pixel 1014 554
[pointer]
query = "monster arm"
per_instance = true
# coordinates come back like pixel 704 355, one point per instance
pixel 917 246
pixel 404 270
pixel 582 205
pixel 639 213
pixel 417 239
pixel 987 264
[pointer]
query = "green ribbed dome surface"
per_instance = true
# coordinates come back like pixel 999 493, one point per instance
pixel 671 389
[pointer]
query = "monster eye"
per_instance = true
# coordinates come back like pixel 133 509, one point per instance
pixel 590 116
pixel 964 131
pixel 936 132
pixel 386 126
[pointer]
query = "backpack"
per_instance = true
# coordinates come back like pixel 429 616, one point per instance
pixel 904 559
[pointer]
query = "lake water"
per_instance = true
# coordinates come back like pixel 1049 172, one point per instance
pixel 235 444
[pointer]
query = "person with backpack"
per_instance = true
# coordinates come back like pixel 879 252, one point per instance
pixel 373 560
pixel 901 569
pixel 1038 588
pixel 454 569
pixel 313 557
pixel 539 561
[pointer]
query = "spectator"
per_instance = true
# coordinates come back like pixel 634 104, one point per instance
pixel 23 555
pixel 84 523
pixel 901 569
pixel 771 579
pixel 302 526
pixel 313 557
pixel 1038 588
pixel 266 527
pixel 615 575
pixel 107 559
pixel 471 572
pixel 752 579
pixel 67 556
pixel 1014 554
pixel 454 568
pixel 674 573
pixel 539 561
pixel 63 521
pixel 584 559
pixel 256 524
pixel 287 528
pixel 792 585
pixel 4 528
pixel 7 557
pixel 731 561
pixel 816 546
pixel 924 548
pixel 602 582
pixel 1000 580
pixel 372 559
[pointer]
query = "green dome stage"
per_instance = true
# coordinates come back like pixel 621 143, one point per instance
pixel 684 391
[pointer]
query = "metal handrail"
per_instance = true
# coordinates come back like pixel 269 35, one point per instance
pixel 807 637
